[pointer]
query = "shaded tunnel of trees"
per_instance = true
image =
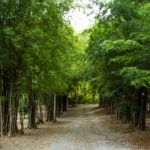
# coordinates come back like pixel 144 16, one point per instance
pixel 43 62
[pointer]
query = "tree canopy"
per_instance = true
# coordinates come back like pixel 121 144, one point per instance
pixel 43 61
pixel 119 53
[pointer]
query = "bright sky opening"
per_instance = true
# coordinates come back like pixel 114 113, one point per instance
pixel 82 18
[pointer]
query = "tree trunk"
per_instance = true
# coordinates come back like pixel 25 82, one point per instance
pixel 93 97
pixel 1 120
pixel 65 103
pixel 32 113
pixel 49 107
pixel 54 108
pixel 11 111
pixel 112 108
pixel 61 105
pixel 142 118
pixel 58 105
pixel 40 114
pixel 21 122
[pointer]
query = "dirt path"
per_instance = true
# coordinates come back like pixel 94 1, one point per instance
pixel 80 128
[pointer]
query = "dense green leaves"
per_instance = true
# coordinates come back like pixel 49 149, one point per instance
pixel 36 48
pixel 120 55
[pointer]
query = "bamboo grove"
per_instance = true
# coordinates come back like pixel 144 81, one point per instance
pixel 119 52
pixel 42 61
pixel 34 44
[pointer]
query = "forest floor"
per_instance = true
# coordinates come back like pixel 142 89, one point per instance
pixel 85 127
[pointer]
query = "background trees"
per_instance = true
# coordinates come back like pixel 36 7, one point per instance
pixel 35 42
pixel 42 61
pixel 118 51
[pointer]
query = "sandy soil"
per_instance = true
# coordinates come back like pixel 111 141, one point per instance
pixel 82 128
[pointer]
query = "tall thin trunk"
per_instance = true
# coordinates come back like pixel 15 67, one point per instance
pixel 1 120
pixel 41 114
pixel 1 111
pixel 10 111
pixel 49 107
pixel 65 103
pixel 93 95
pixel 142 118
pixel 112 108
pixel 54 109
pixel 61 106
pixel 32 112
pixel 21 122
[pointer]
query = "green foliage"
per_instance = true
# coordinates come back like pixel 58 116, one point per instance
pixel 36 47
pixel 23 106
pixel 40 53
pixel 2 98
pixel 118 48
pixel 137 77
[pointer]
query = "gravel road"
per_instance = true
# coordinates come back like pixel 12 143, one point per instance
pixel 80 128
